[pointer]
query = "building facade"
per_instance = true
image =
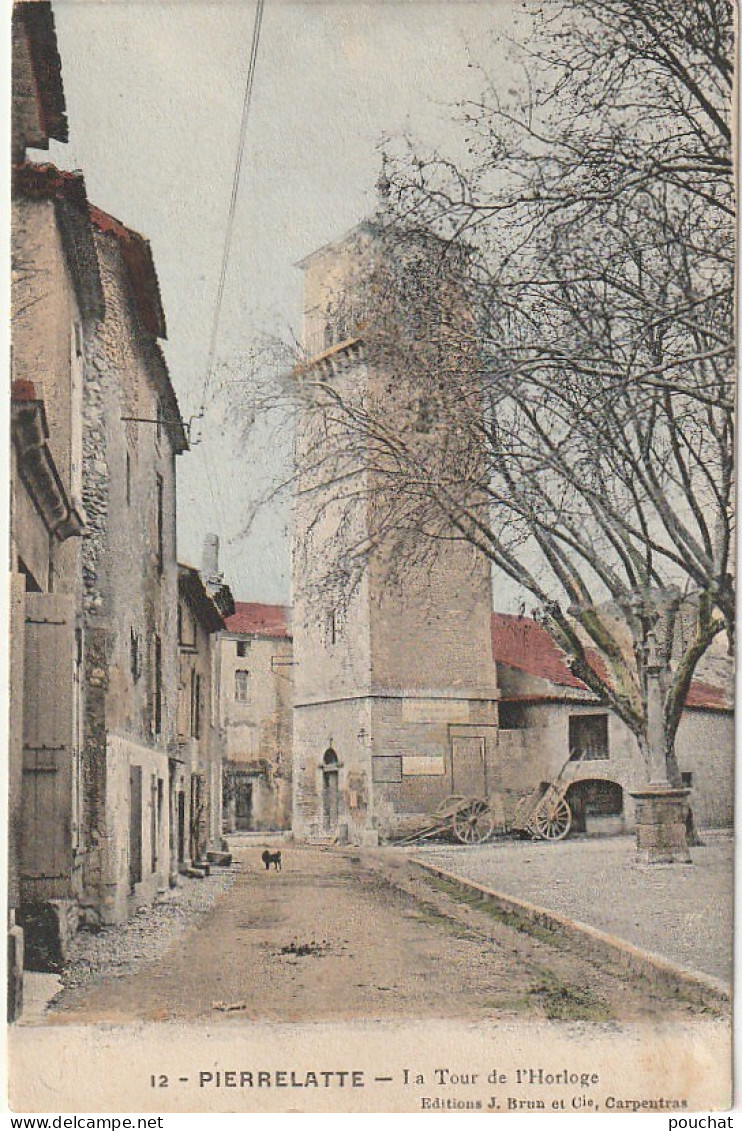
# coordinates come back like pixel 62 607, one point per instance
pixel 407 688
pixel 132 435
pixel 550 724
pixel 256 670
pixel 395 694
pixel 56 302
pixel 196 782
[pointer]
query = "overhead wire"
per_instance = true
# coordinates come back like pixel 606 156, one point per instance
pixel 212 478
pixel 246 103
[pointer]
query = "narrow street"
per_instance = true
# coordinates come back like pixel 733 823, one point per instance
pixel 338 935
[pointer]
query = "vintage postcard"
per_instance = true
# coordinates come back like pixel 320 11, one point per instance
pixel 371 540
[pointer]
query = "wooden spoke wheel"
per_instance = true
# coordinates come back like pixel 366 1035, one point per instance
pixel 474 823
pixel 553 821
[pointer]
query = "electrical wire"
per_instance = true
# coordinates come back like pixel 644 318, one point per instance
pixel 247 100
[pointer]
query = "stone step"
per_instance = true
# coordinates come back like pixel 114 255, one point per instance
pixel 221 859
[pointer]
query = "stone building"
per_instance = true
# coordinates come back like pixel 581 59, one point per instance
pixel 395 693
pixel 132 434
pixel 550 722
pixel 255 660
pixel 196 785
pixel 56 301
pixel 410 691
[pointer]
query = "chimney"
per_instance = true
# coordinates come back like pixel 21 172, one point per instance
pixel 210 556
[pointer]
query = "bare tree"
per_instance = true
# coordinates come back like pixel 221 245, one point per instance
pixel 597 204
pixel 552 323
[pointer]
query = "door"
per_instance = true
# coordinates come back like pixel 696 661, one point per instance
pixel 243 805
pixel 181 826
pixel 469 766
pixel 330 798
pixel 135 825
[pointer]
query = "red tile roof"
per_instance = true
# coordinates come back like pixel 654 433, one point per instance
pixel 259 620
pixel 704 696
pixel 137 256
pixel 521 643
pixel 44 180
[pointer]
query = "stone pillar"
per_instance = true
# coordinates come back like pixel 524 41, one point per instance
pixel 660 810
pixel 14 969
pixel 660 825
pixel 655 718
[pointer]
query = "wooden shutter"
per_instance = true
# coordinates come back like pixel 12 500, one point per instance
pixel 48 690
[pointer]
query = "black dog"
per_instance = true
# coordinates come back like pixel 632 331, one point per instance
pixel 273 858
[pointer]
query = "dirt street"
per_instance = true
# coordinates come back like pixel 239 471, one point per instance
pixel 341 935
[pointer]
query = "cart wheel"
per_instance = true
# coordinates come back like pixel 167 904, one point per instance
pixel 474 824
pixel 553 822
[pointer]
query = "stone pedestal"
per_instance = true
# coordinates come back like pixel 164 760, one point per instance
pixel 660 825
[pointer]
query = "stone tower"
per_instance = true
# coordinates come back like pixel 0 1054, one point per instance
pixel 395 693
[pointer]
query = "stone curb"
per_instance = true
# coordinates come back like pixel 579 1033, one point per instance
pixel 627 956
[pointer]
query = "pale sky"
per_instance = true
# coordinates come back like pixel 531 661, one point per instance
pixel 154 95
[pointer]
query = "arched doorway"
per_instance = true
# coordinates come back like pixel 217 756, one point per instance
pixel 597 807
pixel 330 790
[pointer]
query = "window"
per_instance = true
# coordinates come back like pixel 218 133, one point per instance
pixel 186 627
pixel 160 516
pixel 242 648
pixel 195 705
pixel 77 337
pixel 588 737
pixel 512 716
pixel 686 777
pixel 153 825
pixel 241 685
pixel 135 655
pixel 157 705
pixel 160 420
pixel 128 479
pixel 332 627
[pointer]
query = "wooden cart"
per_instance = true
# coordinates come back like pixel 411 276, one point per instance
pixel 469 819
pixel 543 813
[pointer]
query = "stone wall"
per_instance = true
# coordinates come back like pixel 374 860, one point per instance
pixel 47 336
pixel 130 591
pixel 118 896
pixel 539 750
